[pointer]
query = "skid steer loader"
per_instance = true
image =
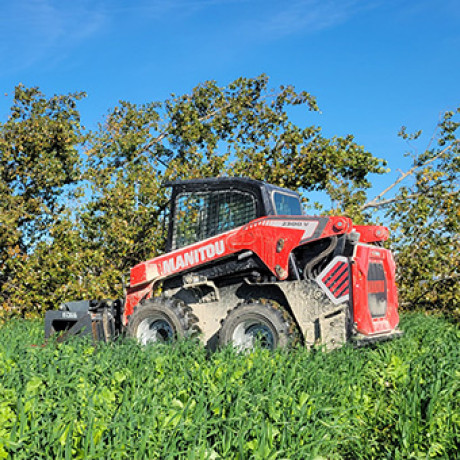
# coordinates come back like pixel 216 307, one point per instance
pixel 244 264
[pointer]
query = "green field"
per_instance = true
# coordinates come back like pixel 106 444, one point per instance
pixel 396 400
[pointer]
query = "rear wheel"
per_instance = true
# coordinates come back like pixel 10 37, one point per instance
pixel 256 323
pixel 161 321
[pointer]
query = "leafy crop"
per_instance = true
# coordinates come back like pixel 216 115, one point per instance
pixel 396 400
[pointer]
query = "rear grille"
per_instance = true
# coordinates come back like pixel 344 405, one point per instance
pixel 337 279
pixel 377 290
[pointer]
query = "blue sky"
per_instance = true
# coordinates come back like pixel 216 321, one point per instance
pixel 373 65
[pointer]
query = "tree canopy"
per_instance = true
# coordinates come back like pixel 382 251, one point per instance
pixel 78 208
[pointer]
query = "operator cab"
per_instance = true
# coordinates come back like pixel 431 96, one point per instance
pixel 203 208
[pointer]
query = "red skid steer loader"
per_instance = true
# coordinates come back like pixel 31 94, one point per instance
pixel 244 264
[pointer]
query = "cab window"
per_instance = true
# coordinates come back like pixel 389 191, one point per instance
pixel 287 204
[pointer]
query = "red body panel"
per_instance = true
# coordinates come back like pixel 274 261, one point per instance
pixel 371 233
pixel 260 236
pixel 374 319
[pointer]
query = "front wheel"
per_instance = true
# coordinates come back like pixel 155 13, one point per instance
pixel 257 323
pixel 161 321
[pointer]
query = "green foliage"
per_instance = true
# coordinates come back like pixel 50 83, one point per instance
pixel 65 268
pixel 38 157
pixel 397 400
pixel 39 160
pixel 424 216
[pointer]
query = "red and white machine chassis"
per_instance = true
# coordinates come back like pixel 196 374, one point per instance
pixel 365 280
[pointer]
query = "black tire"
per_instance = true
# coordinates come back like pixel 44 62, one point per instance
pixel 265 323
pixel 161 321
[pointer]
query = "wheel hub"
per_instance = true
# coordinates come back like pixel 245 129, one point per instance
pixel 247 334
pixel 154 331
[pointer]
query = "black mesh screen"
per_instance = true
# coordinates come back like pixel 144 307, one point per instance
pixel 200 215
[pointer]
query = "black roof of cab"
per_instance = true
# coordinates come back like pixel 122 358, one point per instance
pixel 262 190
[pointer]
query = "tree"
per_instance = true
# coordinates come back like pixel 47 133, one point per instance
pixel 39 158
pixel 242 129
pixel 424 216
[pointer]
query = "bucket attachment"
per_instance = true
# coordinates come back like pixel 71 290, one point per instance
pixel 99 319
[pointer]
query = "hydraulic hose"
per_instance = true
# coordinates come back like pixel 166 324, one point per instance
pixel 308 269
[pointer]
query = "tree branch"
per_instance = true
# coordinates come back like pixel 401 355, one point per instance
pixel 371 204
pixel 375 202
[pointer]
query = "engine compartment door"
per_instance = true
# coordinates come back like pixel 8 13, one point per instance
pixel 375 298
